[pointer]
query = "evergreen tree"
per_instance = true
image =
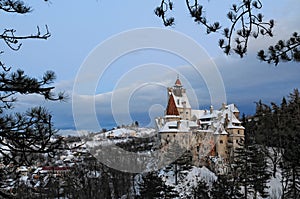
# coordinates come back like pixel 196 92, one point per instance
pixel 169 192
pixel 226 187
pixel 261 174
pixel 291 149
pixel 184 164
pixel 290 179
pixel 242 167
pixel 151 187
pixel 267 129
pixel 177 157
pixel 154 187
pixel 277 131
pixel 251 166
pixel 201 191
pixel 22 135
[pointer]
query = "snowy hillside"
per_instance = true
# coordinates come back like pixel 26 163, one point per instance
pixel 127 132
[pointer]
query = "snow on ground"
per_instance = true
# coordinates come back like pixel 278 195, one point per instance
pixel 126 132
pixel 114 136
pixel 190 180
pixel 130 132
pixel 275 189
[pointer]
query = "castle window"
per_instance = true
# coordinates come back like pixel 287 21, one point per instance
pixel 177 101
pixel 238 131
pixel 237 141
pixel 198 148
pixel 221 141
pixel 167 135
pixel 187 112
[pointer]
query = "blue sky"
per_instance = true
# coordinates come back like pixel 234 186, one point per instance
pixel 77 28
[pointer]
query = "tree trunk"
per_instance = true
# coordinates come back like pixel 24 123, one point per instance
pixel 176 173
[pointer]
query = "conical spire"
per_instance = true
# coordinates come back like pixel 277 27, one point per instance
pixel 171 108
pixel 178 82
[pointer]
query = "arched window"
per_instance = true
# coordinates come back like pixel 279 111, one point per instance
pixel 221 141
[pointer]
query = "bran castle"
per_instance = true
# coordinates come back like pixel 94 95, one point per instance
pixel 210 135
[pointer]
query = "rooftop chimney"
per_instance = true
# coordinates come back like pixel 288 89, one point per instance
pixel 211 109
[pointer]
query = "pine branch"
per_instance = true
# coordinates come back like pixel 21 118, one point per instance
pixel 161 11
pixel 14 6
pixel 282 51
pixel 244 23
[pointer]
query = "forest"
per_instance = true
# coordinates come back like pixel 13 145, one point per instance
pixel 270 153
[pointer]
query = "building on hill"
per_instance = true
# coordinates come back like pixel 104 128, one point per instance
pixel 211 135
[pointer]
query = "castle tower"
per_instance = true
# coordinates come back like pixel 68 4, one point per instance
pixel 172 113
pixel 178 93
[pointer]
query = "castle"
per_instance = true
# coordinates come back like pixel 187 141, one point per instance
pixel 211 136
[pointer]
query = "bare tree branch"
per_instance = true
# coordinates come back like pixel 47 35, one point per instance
pixel 12 40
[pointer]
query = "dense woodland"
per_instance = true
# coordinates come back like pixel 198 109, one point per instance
pixel 271 150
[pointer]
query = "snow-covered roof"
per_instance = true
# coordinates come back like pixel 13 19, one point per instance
pixel 230 126
pixel 172 126
pixel 233 119
pixel 232 108
pixel 182 101
pixel 197 113
pixel 184 126
pixel 208 115
pixel 189 124
pixel 172 116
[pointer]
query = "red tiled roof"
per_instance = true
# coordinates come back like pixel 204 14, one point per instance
pixel 171 108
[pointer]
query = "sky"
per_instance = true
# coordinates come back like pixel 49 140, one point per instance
pixel 133 85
